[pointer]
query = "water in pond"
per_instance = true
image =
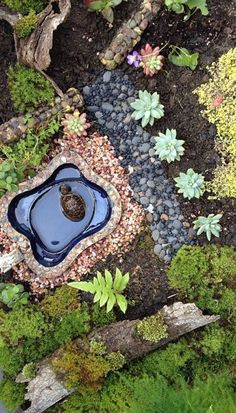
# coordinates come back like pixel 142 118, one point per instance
pixel 58 214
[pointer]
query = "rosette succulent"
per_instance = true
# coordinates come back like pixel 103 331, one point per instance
pixel 147 107
pixel 168 147
pixel 151 60
pixel 176 5
pixel 190 184
pixel 210 225
pixel 75 124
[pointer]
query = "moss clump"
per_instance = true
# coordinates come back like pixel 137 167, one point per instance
pixel 25 26
pixel 218 96
pixel 29 370
pixel 28 88
pixel 116 360
pixel 11 394
pixel 63 301
pixel 100 317
pixel 152 328
pixel 97 347
pixel 25 6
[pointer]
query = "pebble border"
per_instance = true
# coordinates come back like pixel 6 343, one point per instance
pixel 108 101
pixel 129 34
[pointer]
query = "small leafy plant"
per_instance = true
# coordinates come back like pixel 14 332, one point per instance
pixel 75 124
pixel 13 295
pixel 105 289
pixel 8 177
pixel 147 107
pixel 151 60
pixel 190 184
pixel 28 88
pixel 185 6
pixel 25 6
pixel 210 225
pixel 168 147
pixel 180 56
pixel 105 7
pixel 26 25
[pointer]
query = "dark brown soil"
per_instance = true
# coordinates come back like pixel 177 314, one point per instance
pixel 75 62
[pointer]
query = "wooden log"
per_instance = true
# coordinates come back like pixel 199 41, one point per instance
pixel 46 388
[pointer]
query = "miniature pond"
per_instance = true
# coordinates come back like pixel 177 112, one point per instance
pixel 58 214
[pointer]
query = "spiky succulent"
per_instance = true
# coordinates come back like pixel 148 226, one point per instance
pixel 168 147
pixel 75 124
pixel 151 60
pixel 147 107
pixel 190 184
pixel 210 225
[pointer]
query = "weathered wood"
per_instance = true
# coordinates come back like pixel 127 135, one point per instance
pixel 46 389
pixel 7 261
pixel 34 50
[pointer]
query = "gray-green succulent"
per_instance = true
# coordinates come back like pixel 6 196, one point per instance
pixel 147 107
pixel 190 184
pixel 210 225
pixel 168 147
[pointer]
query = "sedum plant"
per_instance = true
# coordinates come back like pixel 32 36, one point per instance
pixel 188 6
pixel 190 184
pixel 210 225
pixel 106 290
pixel 176 5
pixel 168 147
pixel 147 107
pixel 13 294
pixel 105 7
pixel 151 60
pixel 75 124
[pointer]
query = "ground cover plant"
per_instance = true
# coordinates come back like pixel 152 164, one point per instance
pixel 172 125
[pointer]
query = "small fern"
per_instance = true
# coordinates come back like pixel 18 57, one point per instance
pixel 106 290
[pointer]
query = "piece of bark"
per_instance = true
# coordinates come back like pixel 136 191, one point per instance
pixel 7 261
pixel 46 388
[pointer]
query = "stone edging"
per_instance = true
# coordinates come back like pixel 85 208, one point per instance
pixel 16 127
pixel 23 242
pixel 129 34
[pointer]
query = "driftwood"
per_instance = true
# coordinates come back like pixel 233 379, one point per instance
pixel 46 389
pixel 34 50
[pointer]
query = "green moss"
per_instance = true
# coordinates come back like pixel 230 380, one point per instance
pixel 97 347
pixel 61 302
pixel 29 370
pixel 204 275
pixel 100 317
pixel 152 328
pixel 25 6
pixel 11 394
pixel 116 360
pixel 25 26
pixel 28 88
pixel 72 325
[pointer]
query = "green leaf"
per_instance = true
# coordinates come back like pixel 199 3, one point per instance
pixel 124 282
pixel 108 14
pixel 183 58
pixel 97 296
pixel 83 286
pixel 118 280
pixel 104 298
pixel 109 280
pixel 122 302
pixel 111 301
pixel 199 5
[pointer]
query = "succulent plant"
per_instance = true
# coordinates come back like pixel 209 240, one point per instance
pixel 151 60
pixel 168 147
pixel 190 184
pixel 147 107
pixel 75 124
pixel 210 225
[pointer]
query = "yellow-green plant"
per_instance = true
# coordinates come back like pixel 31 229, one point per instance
pixel 26 24
pixel 218 97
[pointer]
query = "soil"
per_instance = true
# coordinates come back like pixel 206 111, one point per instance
pixel 75 62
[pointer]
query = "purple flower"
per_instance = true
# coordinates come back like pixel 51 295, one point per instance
pixel 134 59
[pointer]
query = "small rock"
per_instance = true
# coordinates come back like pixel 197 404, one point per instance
pixel 164 217
pixel 107 107
pixel 144 200
pixel 157 249
pixel 155 234
pixel 86 90
pixel 144 147
pixel 107 77
pixel 177 224
pixel 98 115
